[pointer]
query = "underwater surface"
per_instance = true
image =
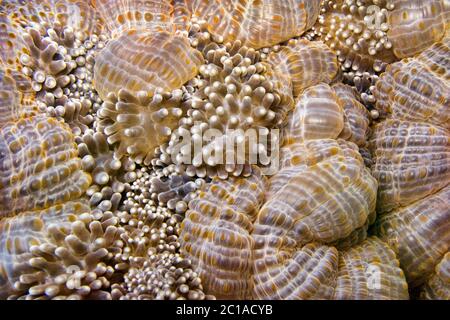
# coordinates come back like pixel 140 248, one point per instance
pixel 225 149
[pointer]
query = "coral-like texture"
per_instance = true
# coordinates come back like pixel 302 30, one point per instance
pixel 9 103
pixel 415 25
pixel 438 286
pixel 222 237
pixel 150 260
pixel 176 190
pixel 76 114
pixel 19 233
pixel 140 123
pixel 257 24
pixel 121 16
pixel 321 199
pixel 370 271
pixel 322 272
pixel 110 175
pixel 418 89
pixel 356 115
pixel 317 115
pixel 231 149
pixel 412 161
pixel 163 276
pixel 233 99
pixel 419 233
pixel 77 15
pixel 68 256
pixel 308 273
pixel 11 42
pixel 305 192
pixel 324 112
pixel 47 67
pixel 216 234
pixel 39 166
pixel 306 63
pixel 321 194
pixel 145 61
pixel 357 32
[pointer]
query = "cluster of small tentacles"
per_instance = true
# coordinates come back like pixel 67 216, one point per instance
pixel 110 190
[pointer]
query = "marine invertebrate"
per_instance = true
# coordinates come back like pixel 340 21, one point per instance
pixel 411 161
pixel 162 276
pixel 39 165
pixel 300 211
pixel 324 112
pixel 45 65
pixel 60 72
pixel 309 159
pixel 11 42
pixel 151 227
pixel 417 89
pixel 321 195
pixel 170 184
pixel 111 177
pixel 18 234
pixel 356 116
pixel 305 167
pixel 257 24
pixel 312 261
pixel 357 32
pixel 232 96
pixel 144 61
pixel 321 272
pixel 317 115
pixel 79 101
pixel 355 237
pixel 75 112
pixel 281 269
pixel 122 194
pixel 216 232
pixel 9 100
pixel 411 158
pixel 437 287
pixel 64 256
pixel 363 267
pixel 54 43
pixel 58 15
pixel 415 25
pixel 419 233
pixel 175 189
pixel 369 35
pixel 306 63
pixel 121 16
pixel 15 98
pixel 413 143
pixel 150 260
pixel 140 123
pixel 60 67
pixel 81 16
